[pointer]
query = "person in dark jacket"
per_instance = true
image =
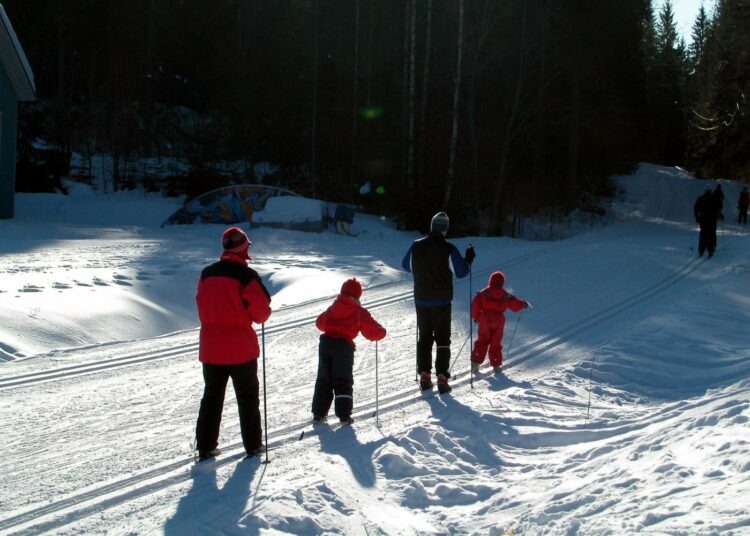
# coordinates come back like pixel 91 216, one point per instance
pixel 430 259
pixel 231 296
pixel 340 324
pixel 718 196
pixel 705 210
pixel 743 204
pixel 488 310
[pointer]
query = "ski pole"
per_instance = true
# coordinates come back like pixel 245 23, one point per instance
pixel 416 353
pixel 518 321
pixel 377 407
pixel 455 357
pixel 265 406
pixel 591 374
pixel 471 331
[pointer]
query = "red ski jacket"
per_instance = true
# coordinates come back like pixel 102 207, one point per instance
pixel 490 304
pixel 345 318
pixel 230 298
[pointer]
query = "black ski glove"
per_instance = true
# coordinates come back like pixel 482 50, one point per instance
pixel 469 255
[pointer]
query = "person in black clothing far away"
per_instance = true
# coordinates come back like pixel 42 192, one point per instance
pixel 706 211
pixel 429 259
pixel 743 204
pixel 718 196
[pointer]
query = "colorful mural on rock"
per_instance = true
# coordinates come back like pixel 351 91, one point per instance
pixel 230 204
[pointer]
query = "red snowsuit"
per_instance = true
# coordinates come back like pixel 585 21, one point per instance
pixel 488 308
pixel 346 318
pixel 340 324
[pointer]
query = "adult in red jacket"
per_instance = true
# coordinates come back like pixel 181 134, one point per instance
pixel 340 324
pixel 488 308
pixel 230 298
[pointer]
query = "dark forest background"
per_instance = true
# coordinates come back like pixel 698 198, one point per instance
pixel 489 109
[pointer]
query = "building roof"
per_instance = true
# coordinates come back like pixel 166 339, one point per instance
pixel 14 60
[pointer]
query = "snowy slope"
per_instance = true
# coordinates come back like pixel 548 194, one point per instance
pixel 624 406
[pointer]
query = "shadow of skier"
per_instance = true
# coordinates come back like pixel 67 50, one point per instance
pixel 206 508
pixel 343 442
pixel 498 382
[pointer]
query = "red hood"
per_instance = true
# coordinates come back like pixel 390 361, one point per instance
pixel 497 280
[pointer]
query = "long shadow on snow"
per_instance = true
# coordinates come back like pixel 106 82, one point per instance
pixel 343 442
pixel 205 504
pixel 501 382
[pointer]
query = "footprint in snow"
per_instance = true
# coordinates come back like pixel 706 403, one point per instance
pixel 122 280
pixel 81 283
pixel 30 288
pixel 100 282
pixel 143 276
pixel 60 286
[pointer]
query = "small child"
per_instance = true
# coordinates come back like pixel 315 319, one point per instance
pixel 340 324
pixel 488 308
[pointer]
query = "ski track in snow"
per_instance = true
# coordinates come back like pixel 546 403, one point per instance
pixel 608 418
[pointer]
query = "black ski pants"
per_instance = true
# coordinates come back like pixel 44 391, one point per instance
pixel 743 215
pixel 434 326
pixel 245 382
pixel 707 237
pixel 335 380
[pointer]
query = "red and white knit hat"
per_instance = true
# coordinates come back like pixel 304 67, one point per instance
pixel 234 240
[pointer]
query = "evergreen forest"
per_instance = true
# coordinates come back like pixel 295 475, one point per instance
pixel 489 109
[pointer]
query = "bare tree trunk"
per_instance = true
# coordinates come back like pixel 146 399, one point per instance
pixel 114 84
pixel 482 32
pixel 456 103
pixel 405 74
pixel 369 55
pixel 425 91
pixel 356 95
pixel 511 123
pixel 539 163
pixel 313 148
pixel 574 125
pixel 149 134
pixel 242 81
pixel 412 96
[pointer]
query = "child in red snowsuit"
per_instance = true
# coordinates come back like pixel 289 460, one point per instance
pixel 488 308
pixel 340 324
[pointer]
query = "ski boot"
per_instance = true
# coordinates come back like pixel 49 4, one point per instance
pixel 346 421
pixel 319 419
pixel 425 381
pixel 252 453
pixel 497 369
pixel 443 386
pixel 204 455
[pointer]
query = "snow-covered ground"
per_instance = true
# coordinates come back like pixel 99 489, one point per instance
pixel 624 406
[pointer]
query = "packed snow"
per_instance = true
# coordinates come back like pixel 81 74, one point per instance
pixel 623 407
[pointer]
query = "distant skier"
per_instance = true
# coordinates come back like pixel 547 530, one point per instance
pixel 230 298
pixel 718 196
pixel 488 309
pixel 743 204
pixel 428 259
pixel 340 324
pixel 705 210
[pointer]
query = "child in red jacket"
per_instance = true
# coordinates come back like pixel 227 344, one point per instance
pixel 340 324
pixel 488 308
